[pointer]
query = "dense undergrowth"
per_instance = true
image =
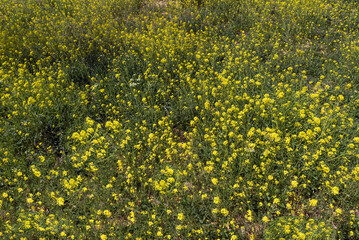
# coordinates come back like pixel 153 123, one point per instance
pixel 221 119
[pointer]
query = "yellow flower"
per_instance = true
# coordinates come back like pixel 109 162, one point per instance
pixel 27 224
pixel 214 181
pixel 248 216
pixel 30 100
pixel 224 211
pixel 119 165
pixel 338 211
pixel 36 172
pixel 207 105
pixel 215 210
pixel 335 190
pixel 216 200
pixel 313 202
pixel 107 213
pixel 76 136
pixel 103 237
pixel 265 219
pixel 294 183
pixel 60 201
pixel 108 124
pixel 132 217
pixel 301 235
pixel 180 216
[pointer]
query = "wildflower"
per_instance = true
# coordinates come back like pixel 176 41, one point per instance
pixel 301 235
pixel 224 211
pixel 180 216
pixel 313 202
pixel 108 124
pixel 169 171
pixel 216 200
pixel 248 216
pixel 119 165
pixel 30 100
pixel 76 136
pixel 107 213
pixel 60 201
pixel 103 237
pixel 207 105
pixel 214 181
pixel 294 184
pixel 338 211
pixel 27 224
pixel 265 219
pixel 335 190
pixel 36 172
pixel 132 217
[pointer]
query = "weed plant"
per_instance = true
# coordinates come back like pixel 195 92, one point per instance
pixel 211 119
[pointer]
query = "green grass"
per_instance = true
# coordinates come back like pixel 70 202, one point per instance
pixel 216 119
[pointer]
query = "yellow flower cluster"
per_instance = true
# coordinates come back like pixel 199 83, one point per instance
pixel 179 119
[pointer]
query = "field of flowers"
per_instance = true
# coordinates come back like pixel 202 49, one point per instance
pixel 197 119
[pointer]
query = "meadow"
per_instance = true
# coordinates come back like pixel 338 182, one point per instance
pixel 188 119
